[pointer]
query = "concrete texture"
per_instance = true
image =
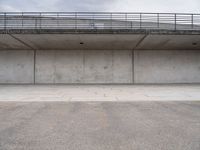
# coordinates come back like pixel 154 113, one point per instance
pixel 122 66
pixel 16 66
pixel 72 41
pixel 99 66
pixel 119 93
pixel 100 126
pixel 81 66
pixel 100 58
pixel 170 42
pixel 59 66
pixel 7 42
pixel 167 66
pixel 97 41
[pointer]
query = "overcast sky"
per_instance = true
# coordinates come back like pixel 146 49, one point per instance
pixel 190 6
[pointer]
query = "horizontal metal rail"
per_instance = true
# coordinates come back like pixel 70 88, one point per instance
pixel 98 20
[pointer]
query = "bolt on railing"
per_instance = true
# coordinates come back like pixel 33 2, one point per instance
pixel 98 20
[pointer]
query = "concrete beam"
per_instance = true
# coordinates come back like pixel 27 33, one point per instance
pixel 170 42
pixel 9 43
pixel 100 42
pixel 80 41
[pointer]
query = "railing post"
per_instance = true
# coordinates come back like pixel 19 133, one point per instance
pixel 35 23
pixel 175 21
pixel 192 21
pixel 131 22
pixel 93 23
pixel 140 20
pixel 76 21
pixel 126 20
pixel 22 20
pixel 40 21
pixel 57 16
pixel 111 17
pixel 158 20
pixel 5 21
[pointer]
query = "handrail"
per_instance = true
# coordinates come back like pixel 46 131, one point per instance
pixel 98 20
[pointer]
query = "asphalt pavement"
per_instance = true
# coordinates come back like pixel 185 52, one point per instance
pixel 100 125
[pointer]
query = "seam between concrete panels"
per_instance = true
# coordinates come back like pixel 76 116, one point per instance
pixel 133 56
pixel 34 55
pixel 83 52
pixel 113 66
pixel 55 65
pixel 34 67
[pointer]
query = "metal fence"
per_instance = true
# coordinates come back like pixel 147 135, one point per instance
pixel 98 20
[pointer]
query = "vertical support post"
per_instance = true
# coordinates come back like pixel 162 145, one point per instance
pixel 140 20
pixel 131 21
pixel 76 21
pixel 111 17
pixel 93 23
pixel 175 21
pixel 192 21
pixel 5 21
pixel 40 20
pixel 35 22
pixel 57 18
pixel 126 20
pixel 22 20
pixel 158 20
pixel 131 25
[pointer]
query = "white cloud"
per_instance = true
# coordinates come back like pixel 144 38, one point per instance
pixel 184 6
pixel 46 5
pixel 8 8
pixel 192 6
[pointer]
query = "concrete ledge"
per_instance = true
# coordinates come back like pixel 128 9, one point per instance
pixel 100 31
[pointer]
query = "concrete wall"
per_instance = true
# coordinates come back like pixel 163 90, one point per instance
pixel 16 66
pixel 99 66
pixel 84 66
pixel 100 58
pixel 167 66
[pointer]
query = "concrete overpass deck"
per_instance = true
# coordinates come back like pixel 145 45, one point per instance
pixel 120 50
pixel 99 31
pixel 101 40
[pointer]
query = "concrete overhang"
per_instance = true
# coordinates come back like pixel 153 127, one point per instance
pixel 101 40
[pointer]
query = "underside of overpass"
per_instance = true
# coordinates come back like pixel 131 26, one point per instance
pixel 99 57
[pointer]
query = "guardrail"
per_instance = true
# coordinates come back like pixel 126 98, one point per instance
pixel 98 20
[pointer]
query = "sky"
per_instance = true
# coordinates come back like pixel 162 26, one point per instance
pixel 173 6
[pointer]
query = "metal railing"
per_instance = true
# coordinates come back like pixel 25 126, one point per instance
pixel 98 20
